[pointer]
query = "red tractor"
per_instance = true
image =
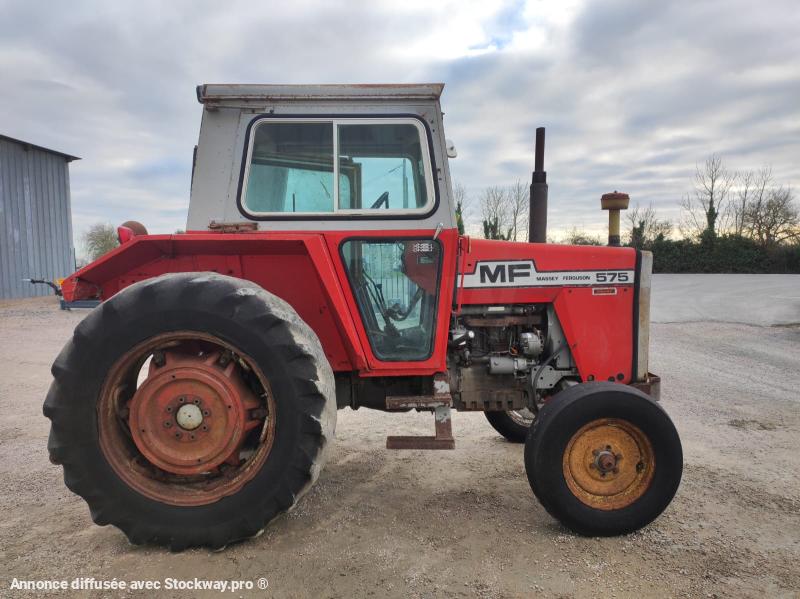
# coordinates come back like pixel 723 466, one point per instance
pixel 322 268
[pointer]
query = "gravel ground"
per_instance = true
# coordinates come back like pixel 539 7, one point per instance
pixel 462 523
pixel 727 298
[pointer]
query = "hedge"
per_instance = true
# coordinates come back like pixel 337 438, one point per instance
pixel 725 254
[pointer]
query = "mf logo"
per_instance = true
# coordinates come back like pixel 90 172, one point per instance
pixel 500 273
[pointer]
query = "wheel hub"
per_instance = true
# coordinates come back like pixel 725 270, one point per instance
pixel 605 461
pixel 192 413
pixel 189 417
pixel 608 464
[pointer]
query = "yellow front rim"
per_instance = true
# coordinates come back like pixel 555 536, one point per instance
pixel 608 464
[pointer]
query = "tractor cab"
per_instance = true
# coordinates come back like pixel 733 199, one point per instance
pixel 321 157
pixel 369 161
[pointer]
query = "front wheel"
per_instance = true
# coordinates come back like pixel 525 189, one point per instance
pixel 603 458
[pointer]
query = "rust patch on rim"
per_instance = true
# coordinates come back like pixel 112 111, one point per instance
pixel 185 435
pixel 192 413
pixel 608 464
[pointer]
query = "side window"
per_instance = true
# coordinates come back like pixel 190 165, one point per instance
pixel 386 166
pixel 396 285
pixel 291 168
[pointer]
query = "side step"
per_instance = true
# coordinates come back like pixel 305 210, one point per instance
pixel 440 403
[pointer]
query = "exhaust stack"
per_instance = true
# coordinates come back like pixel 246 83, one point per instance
pixel 537 223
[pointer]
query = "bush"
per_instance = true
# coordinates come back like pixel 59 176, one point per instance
pixel 100 239
pixel 725 254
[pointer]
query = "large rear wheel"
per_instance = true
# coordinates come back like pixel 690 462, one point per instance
pixel 603 458
pixel 191 409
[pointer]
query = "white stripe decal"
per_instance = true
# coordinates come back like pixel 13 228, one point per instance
pixel 523 273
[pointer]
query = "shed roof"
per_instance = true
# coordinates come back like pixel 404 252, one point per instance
pixel 27 145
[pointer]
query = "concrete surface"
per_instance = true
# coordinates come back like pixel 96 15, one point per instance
pixel 462 523
pixel 764 300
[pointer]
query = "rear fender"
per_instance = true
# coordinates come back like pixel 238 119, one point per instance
pixel 297 268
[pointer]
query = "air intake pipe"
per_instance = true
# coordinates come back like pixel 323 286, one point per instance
pixel 614 202
pixel 537 223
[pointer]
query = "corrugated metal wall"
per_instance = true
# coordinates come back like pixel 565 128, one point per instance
pixel 35 219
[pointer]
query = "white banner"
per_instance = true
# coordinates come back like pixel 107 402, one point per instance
pixel 523 273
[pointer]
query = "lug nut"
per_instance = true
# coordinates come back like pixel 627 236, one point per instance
pixel 177 435
pixel 168 424
pixel 181 399
pixel 169 408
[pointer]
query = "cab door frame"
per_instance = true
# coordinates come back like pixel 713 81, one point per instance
pixel 437 361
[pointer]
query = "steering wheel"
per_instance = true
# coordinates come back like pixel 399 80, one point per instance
pixel 384 198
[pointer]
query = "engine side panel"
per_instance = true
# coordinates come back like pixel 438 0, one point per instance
pixel 591 288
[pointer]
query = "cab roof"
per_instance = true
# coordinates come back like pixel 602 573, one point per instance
pixel 215 93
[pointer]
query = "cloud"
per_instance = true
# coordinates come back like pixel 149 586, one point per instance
pixel 633 93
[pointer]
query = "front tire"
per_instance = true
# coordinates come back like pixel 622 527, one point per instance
pixel 229 428
pixel 603 458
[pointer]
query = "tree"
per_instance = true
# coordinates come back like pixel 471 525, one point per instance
pixel 518 198
pixel 495 212
pixel 460 197
pixel 577 236
pixel 772 218
pixel 493 230
pixel 646 227
pixel 753 187
pixel 705 211
pixel 764 213
pixel 100 239
pixel 505 211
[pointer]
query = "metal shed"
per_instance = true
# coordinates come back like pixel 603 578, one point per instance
pixel 35 217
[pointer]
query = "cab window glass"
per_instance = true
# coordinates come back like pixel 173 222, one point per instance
pixel 291 168
pixel 396 286
pixel 383 165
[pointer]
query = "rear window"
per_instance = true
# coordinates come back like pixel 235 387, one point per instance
pixel 381 166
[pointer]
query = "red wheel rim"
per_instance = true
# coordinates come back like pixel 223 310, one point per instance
pixel 198 426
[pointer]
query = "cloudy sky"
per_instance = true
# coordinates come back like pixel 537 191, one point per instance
pixel 633 92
